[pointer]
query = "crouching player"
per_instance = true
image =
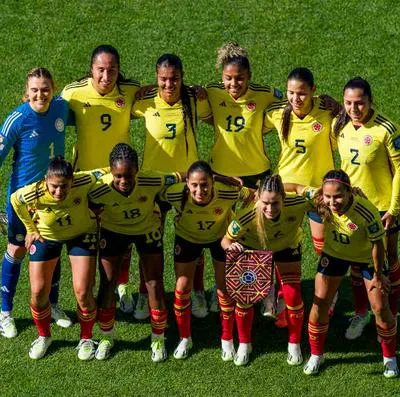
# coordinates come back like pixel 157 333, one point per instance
pixel 61 217
pixel 354 235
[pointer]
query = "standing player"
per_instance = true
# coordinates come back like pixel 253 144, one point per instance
pixel 369 147
pixel 204 209
pixel 36 132
pixel 354 235
pixel 61 217
pixel 273 223
pixel 171 111
pixel 303 123
pixel 100 106
pixel 130 215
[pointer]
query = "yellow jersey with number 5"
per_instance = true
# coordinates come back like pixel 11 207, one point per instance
pixel 101 121
pixel 170 142
pixel 238 124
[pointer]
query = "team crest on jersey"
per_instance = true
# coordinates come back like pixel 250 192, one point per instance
pixel 120 102
pixel 103 243
pixel 178 249
pixel 32 249
pixel 77 200
pixel 59 124
pixel 218 211
pixel 324 261
pixel 20 237
pixel 352 226
pixel 316 126
pixel 368 140
pixel 142 199
pixel 251 106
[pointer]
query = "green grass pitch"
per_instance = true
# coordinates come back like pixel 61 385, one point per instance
pixel 337 40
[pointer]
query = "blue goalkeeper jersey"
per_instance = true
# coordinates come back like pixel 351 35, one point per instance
pixel 36 138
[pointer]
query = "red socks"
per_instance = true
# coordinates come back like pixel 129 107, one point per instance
pixel 86 320
pixel 42 319
pixel 182 306
pixel 317 333
pixel 106 318
pixel 227 315
pixel 388 340
pixel 158 320
pixel 244 315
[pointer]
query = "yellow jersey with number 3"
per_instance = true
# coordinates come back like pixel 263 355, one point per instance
pixel 57 220
pixel 101 121
pixel 371 157
pixel 238 124
pixel 136 213
pixel 206 223
pixel 169 145
pixel 285 232
pixel 307 155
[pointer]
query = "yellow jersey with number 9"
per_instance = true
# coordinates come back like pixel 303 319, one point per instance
pixel 101 121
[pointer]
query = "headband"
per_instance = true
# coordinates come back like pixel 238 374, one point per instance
pixel 337 180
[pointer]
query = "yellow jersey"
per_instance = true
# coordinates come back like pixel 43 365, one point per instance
pixel 170 142
pixel 307 155
pixel 349 236
pixel 285 232
pixel 370 155
pixel 203 224
pixel 134 214
pixel 101 121
pixel 238 124
pixel 57 220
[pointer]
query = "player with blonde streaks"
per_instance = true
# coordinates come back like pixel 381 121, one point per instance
pixel 273 223
pixel 204 209
pixel 130 215
pixel 171 111
pixel 354 235
pixel 369 147
pixel 100 105
pixel 61 217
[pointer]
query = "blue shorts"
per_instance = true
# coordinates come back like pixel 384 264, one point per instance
pixel 313 215
pixel 186 251
pixel 335 267
pixel 115 244
pixel 83 245
pixel 16 229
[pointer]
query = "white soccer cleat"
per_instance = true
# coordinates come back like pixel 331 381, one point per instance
pixel 158 350
pixel 357 325
pixel 294 356
pixel 391 368
pixel 39 347
pixel 126 304
pixel 103 350
pixel 199 304
pixel 242 356
pixel 142 308
pixel 183 348
pixel 60 317
pixel 7 325
pixel 313 364
pixel 227 350
pixel 86 349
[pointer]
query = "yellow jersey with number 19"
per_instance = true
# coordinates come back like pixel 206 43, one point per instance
pixel 307 154
pixel 238 124
pixel 371 157
pixel 57 220
pixel 101 121
pixel 170 142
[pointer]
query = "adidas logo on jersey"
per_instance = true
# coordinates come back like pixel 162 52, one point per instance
pixel 223 104
pixel 115 205
pixel 34 134
pixel 87 105
pixel 156 114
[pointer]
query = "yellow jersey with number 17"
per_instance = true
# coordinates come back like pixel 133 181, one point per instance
pixel 306 156
pixel 170 142
pixel 238 124
pixel 101 121
pixel 371 157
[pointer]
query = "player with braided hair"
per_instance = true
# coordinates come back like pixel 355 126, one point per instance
pixel 273 222
pixel 129 215
pixel 354 235
pixel 171 111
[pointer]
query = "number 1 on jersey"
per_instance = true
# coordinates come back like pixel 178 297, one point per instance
pixel 51 149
